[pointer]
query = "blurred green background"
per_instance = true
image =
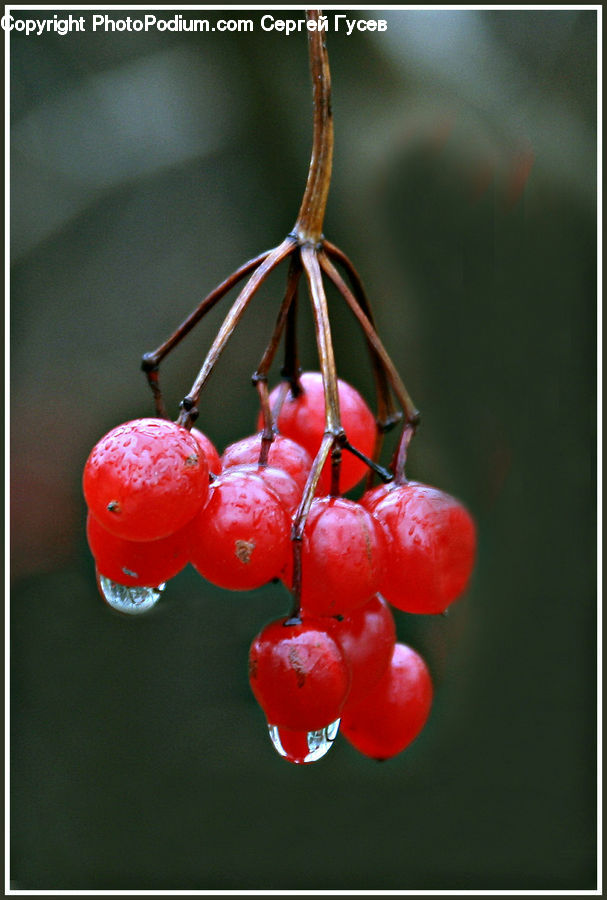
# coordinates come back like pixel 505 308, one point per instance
pixel 145 167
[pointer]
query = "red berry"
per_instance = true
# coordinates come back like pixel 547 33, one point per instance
pixel 366 638
pixel 209 450
pixel 303 420
pixel 298 675
pixel 285 488
pixel 284 454
pixel 342 557
pixel 145 479
pixel 433 545
pixel 393 713
pixel 241 538
pixel 137 563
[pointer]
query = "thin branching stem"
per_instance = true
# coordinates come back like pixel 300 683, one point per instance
pixel 333 429
pixel 400 391
pixel 267 434
pixel 291 369
pixel 155 357
pixel 324 343
pixel 387 414
pixel 300 517
pixel 281 320
pixel 399 460
pixel 230 322
pixel 260 378
pixel 150 362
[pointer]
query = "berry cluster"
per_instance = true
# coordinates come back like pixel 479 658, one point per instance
pixel 159 496
pixel 272 508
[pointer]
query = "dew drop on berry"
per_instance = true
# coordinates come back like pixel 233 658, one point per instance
pixel 130 600
pixel 299 747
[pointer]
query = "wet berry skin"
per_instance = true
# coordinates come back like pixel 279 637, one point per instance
pixel 342 558
pixel 284 454
pixel 241 539
pixel 302 419
pixel 298 675
pixel 366 638
pixel 393 713
pixel 145 479
pixel 433 545
pixel 137 563
pixel 209 450
pixel 281 483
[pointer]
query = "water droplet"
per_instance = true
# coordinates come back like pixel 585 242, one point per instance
pixel 130 600
pixel 301 746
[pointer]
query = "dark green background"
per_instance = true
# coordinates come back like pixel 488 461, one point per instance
pixel 144 169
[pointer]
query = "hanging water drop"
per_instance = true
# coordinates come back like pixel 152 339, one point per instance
pixel 130 600
pixel 303 746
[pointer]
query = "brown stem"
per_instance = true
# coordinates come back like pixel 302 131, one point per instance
pixel 309 260
pixel 333 429
pixel 281 320
pixel 291 369
pixel 336 455
pixel 377 447
pixel 229 324
pixel 282 392
pixel 153 377
pixel 374 467
pixel 300 517
pixel 400 391
pixel 260 378
pixel 267 435
pixel 308 227
pixel 150 362
pixel 400 455
pixel 387 414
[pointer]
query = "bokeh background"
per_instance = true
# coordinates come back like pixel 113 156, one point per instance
pixel 145 167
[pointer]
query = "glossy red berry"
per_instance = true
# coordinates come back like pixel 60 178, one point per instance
pixel 241 538
pixel 284 454
pixel 145 479
pixel 302 419
pixel 285 488
pixel 366 637
pixel 342 557
pixel 298 675
pixel 433 545
pixel 137 563
pixel 209 450
pixel 392 714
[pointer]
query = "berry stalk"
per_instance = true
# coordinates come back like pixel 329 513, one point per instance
pixel 308 227
pixel 187 415
pixel 150 362
pixel 260 377
pixel 411 413
pixel 299 520
pixel 387 414
pixel 291 369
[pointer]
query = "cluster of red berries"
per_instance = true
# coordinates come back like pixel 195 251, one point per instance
pixel 159 496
